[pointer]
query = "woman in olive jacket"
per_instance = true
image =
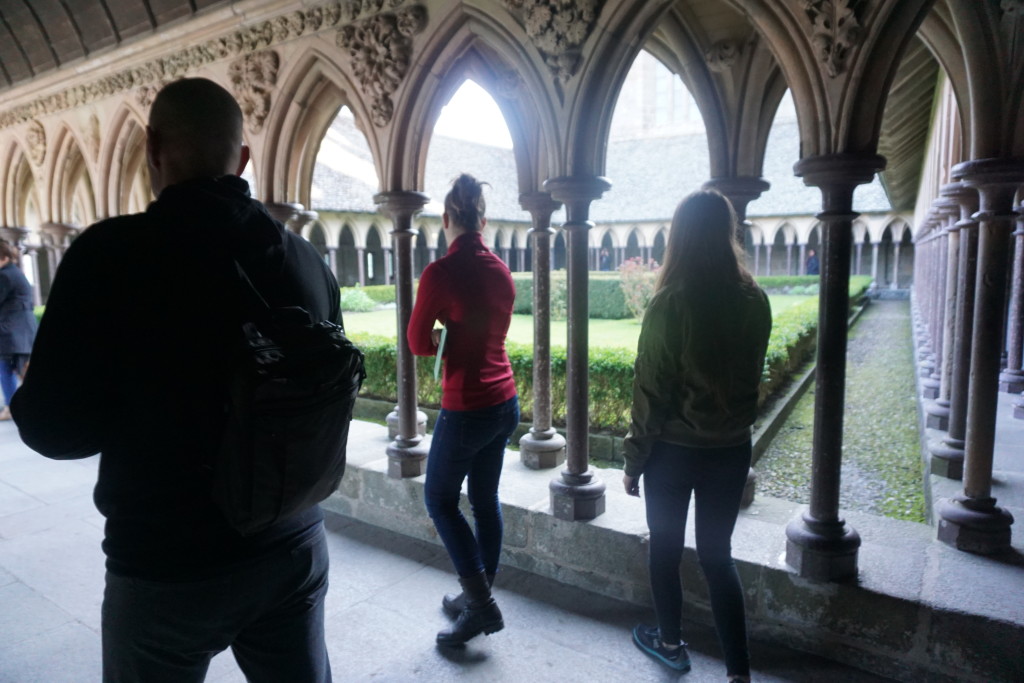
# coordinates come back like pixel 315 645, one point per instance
pixel 17 323
pixel 698 368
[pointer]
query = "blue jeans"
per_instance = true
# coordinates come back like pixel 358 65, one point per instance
pixel 8 377
pixel 469 443
pixel 716 477
pixel 270 613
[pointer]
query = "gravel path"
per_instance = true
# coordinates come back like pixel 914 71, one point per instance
pixel 882 471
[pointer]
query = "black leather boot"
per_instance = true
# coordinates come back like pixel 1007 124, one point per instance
pixel 454 604
pixel 481 614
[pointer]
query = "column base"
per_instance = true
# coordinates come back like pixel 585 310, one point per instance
pixel 978 527
pixel 930 388
pixel 937 415
pixel 392 422
pixel 947 458
pixel 542 450
pixel 407 458
pixel 1018 409
pixel 1011 381
pixel 749 489
pixel 822 551
pixel 576 497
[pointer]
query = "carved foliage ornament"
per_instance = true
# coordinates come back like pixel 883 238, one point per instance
pixel 35 138
pixel 253 77
pixel 558 29
pixel 722 55
pixel 380 48
pixel 835 31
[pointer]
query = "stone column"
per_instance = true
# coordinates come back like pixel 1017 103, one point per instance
pixel 388 265
pixel 768 260
pixel 937 413
pixel 60 235
pixel 972 521
pixel 802 265
pixel 521 257
pixel 1011 380
pixel 820 545
pixel 361 265
pixel 860 251
pixel 874 262
pixel 332 262
pixel 757 259
pixel 895 265
pixel 948 454
pixel 789 259
pixel 578 494
pixel 933 303
pixel 407 454
pixel 542 447
pixel 431 254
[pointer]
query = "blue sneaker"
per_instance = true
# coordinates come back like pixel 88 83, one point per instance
pixel 648 640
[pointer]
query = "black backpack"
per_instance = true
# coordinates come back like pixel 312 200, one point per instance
pixel 293 385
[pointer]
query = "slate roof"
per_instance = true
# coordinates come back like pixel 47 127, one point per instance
pixel 649 176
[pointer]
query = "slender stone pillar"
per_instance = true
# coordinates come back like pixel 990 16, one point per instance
pixel 820 545
pixel 937 412
pixel 768 259
pixel 332 262
pixel 361 265
pixel 1011 380
pixel 757 259
pixel 895 265
pixel 972 521
pixel 740 191
pixel 407 454
pixel 874 262
pixel 948 454
pixel 578 494
pixel 388 265
pixel 860 251
pixel 802 265
pixel 789 259
pixel 542 447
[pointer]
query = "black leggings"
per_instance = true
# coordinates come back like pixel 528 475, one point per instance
pixel 716 476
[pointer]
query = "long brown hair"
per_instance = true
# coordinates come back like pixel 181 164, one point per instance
pixel 702 246
pixel 704 259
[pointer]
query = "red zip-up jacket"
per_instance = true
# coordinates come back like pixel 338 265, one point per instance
pixel 470 291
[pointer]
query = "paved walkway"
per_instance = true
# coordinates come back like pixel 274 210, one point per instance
pixel 382 608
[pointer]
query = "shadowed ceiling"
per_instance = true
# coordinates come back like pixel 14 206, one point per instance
pixel 39 36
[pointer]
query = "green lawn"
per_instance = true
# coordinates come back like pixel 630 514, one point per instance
pixel 603 333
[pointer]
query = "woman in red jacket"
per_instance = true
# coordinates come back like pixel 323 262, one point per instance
pixel 470 292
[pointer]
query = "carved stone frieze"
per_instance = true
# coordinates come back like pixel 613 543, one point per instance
pixel 253 77
pixel 835 30
pixel 35 139
pixel 380 49
pixel 722 55
pixel 147 78
pixel 558 29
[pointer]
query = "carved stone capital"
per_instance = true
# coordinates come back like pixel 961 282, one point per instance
pixel 253 78
pixel 835 31
pixel 558 29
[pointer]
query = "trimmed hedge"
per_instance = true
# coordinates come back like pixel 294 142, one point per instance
pixel 793 339
pixel 381 294
pixel 604 294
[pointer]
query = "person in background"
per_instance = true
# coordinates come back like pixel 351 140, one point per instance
pixel 133 361
pixel 698 369
pixel 812 266
pixel 470 292
pixel 17 323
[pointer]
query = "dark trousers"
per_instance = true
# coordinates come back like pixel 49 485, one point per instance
pixel 715 476
pixel 270 613
pixel 469 444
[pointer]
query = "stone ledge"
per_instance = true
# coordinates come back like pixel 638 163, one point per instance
pixel 920 610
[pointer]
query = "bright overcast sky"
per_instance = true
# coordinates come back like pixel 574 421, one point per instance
pixel 473 115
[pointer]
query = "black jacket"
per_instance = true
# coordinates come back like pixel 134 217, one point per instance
pixel 131 362
pixel 17 320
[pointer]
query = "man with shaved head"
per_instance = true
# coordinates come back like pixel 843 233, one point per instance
pixel 132 362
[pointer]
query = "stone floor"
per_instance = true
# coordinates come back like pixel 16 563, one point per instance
pixel 382 609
